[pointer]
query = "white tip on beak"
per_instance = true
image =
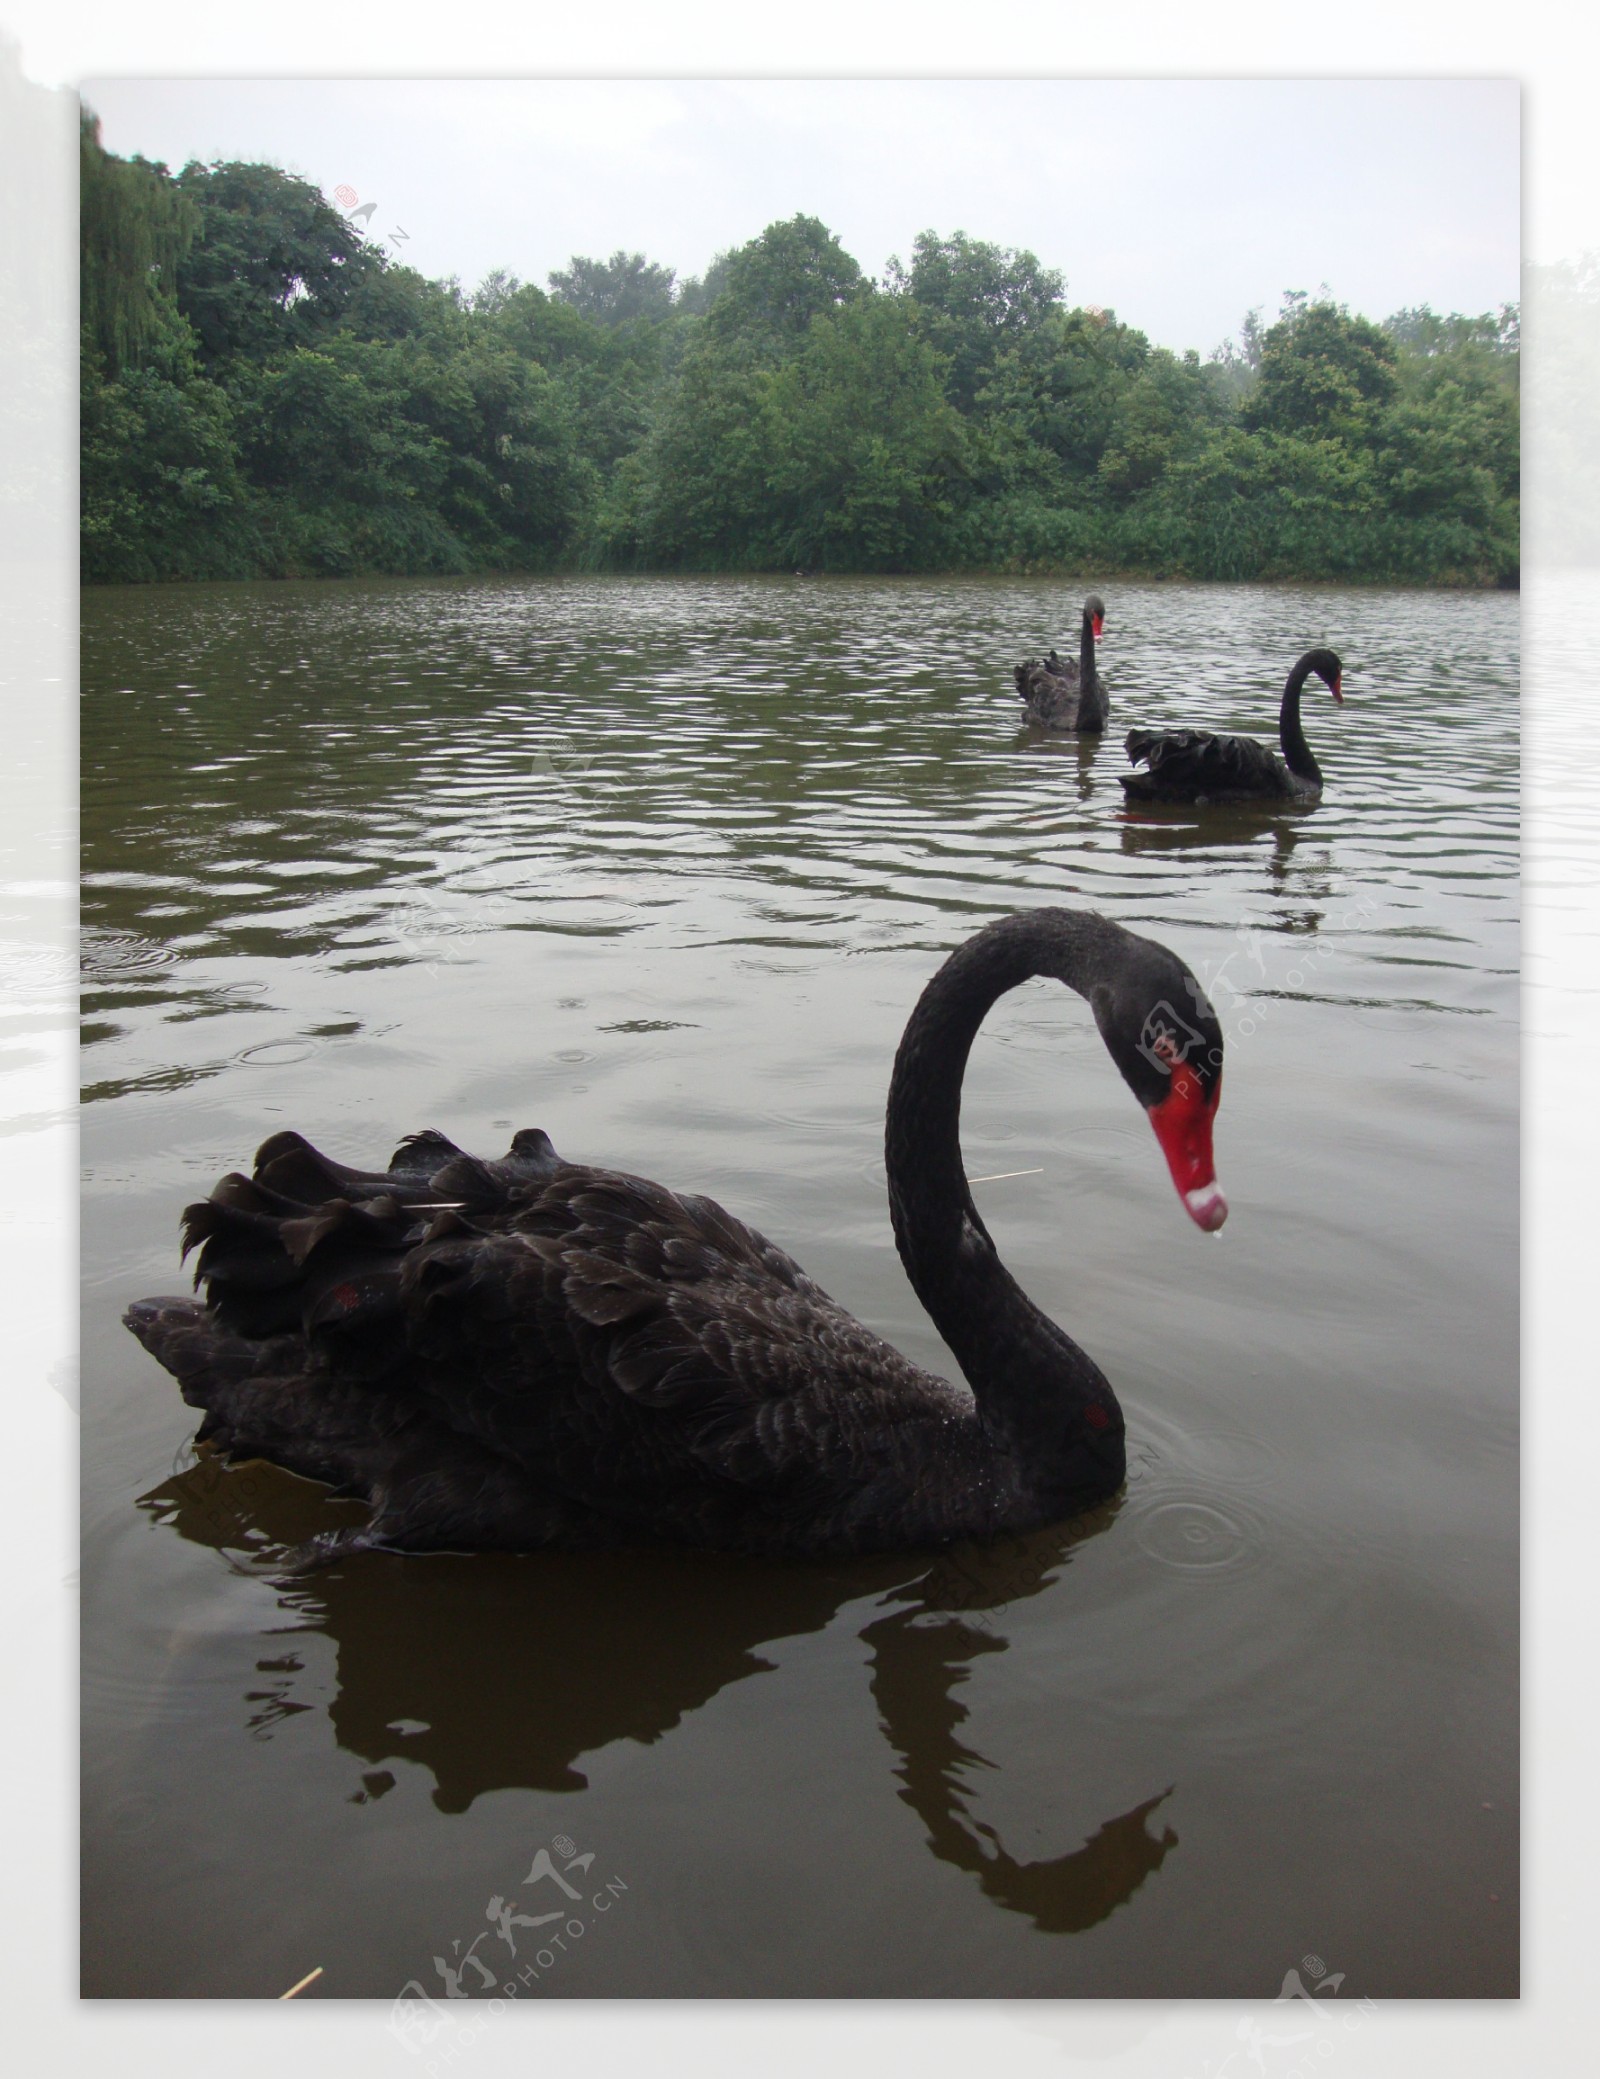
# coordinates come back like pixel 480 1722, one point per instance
pixel 1207 1207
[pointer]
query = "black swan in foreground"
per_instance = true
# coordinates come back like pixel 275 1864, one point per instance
pixel 1069 697
pixel 533 1352
pixel 1193 765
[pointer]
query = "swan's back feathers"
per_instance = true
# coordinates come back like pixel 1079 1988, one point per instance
pixel 1053 694
pixel 627 1350
pixel 1184 764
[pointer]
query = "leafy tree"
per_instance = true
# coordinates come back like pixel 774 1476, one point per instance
pixel 1323 372
pixel 494 292
pixel 1235 366
pixel 978 299
pixel 1053 398
pixel 778 283
pixel 700 496
pixel 616 291
pixel 608 376
pixel 136 228
pixel 272 265
pixel 516 485
pixel 159 482
pixel 1422 332
pixel 390 302
pixel 1449 455
pixel 425 453
pixel 864 446
pixel 700 291
pixel 1158 417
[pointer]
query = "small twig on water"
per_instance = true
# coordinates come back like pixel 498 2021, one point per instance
pixel 1001 1176
pixel 304 1982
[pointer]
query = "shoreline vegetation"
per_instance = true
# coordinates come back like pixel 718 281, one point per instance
pixel 266 393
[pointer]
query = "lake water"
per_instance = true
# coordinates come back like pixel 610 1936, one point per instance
pixel 661 866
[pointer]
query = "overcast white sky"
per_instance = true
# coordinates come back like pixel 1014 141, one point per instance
pixel 1179 203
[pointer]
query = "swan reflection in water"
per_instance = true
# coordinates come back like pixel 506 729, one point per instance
pixel 1077 752
pixel 1174 828
pixel 619 1645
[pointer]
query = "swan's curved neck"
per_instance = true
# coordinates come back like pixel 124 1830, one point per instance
pixel 1091 694
pixel 1034 1386
pixel 1296 751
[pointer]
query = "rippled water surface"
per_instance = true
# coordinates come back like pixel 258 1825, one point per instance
pixel 661 866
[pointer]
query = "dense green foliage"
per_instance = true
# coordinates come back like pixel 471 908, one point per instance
pixel 266 393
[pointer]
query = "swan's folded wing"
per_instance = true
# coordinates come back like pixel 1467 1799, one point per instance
pixel 616 1339
pixel 614 1317
pixel 1194 759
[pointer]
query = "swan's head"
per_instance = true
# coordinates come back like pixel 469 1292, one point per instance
pixel 1326 665
pixel 1095 607
pixel 1160 1029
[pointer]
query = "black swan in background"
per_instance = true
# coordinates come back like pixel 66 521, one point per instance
pixel 1068 696
pixel 1193 765
pixel 530 1351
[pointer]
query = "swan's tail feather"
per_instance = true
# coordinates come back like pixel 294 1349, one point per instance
pixel 309 1245
pixel 288 1165
pixel 185 1337
pixel 430 1488
pixel 1140 743
pixel 319 1270
pixel 257 1399
pixel 302 1351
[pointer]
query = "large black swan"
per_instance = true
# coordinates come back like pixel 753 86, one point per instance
pixel 533 1352
pixel 1070 697
pixel 1193 765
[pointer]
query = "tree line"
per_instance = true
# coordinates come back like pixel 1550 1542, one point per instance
pixel 267 393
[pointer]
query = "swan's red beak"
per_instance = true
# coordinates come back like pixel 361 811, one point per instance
pixel 1337 689
pixel 1099 625
pixel 1182 1121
